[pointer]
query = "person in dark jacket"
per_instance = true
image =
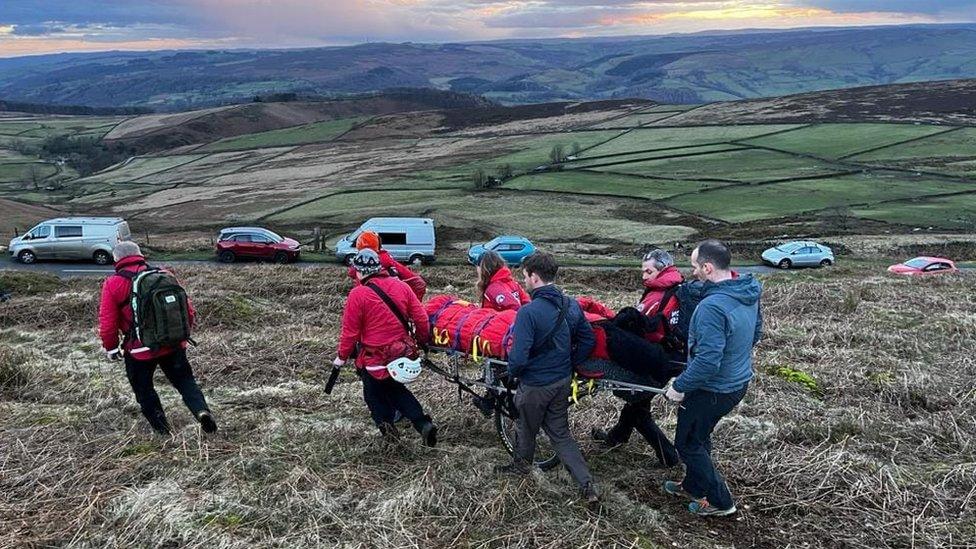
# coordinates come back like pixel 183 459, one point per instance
pixel 115 318
pixel 551 336
pixel 725 326
pixel 659 275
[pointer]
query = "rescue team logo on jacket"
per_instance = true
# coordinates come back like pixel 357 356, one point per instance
pixel 500 299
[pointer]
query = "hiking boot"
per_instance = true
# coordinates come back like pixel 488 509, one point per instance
pixel 604 437
pixel 207 422
pixel 701 508
pixel 429 434
pixel 159 424
pixel 389 432
pixel 511 469
pixel 590 495
pixel 673 488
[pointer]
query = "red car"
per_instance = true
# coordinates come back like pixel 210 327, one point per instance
pixel 255 243
pixel 924 266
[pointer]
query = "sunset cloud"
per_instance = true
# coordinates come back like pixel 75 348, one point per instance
pixel 45 26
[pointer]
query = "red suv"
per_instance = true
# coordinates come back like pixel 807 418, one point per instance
pixel 256 243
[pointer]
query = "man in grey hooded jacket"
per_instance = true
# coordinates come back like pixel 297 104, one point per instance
pixel 725 326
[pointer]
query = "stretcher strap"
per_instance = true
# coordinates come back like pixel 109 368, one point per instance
pixel 437 314
pixel 457 333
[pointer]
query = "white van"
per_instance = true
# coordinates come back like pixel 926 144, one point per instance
pixel 409 239
pixel 71 238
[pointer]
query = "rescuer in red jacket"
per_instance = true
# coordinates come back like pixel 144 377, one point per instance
pixel 659 275
pixel 374 334
pixel 115 319
pixel 497 288
pixel 370 240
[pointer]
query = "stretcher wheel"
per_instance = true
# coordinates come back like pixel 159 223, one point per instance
pixel 545 455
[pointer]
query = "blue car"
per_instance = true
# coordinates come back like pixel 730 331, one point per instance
pixel 799 254
pixel 513 249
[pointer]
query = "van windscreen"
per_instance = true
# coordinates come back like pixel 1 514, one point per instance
pixel 393 239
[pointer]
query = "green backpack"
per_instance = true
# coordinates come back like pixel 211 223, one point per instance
pixel 160 309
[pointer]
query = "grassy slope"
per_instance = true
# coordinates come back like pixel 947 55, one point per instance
pixel 854 457
pixel 309 133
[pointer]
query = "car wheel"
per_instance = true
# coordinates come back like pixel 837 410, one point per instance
pixel 27 257
pixel 416 259
pixel 281 257
pixel 102 257
pixel 826 263
pixel 226 256
pixel 349 258
pixel 785 264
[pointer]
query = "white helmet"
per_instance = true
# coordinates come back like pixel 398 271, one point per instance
pixel 404 370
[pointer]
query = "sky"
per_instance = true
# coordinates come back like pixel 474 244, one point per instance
pixel 29 27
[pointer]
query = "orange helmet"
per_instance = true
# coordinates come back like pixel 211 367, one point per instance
pixel 368 239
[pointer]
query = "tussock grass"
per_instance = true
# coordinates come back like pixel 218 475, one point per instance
pixel 881 455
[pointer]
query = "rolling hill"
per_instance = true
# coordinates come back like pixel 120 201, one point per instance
pixel 688 69
pixel 628 173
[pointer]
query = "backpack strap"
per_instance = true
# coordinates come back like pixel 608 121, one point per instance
pixel 546 342
pixel 389 303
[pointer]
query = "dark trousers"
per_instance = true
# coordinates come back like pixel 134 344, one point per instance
pixel 637 416
pixel 180 375
pixel 546 407
pixel 386 397
pixel 700 412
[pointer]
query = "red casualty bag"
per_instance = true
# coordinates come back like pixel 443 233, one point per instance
pixel 467 328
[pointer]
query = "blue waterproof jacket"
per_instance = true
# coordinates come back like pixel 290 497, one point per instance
pixel 725 326
pixel 531 359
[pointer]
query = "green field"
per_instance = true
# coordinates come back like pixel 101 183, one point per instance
pixel 584 182
pixel 297 135
pixel 955 144
pixel 211 166
pixel 953 212
pixel 141 167
pixel 841 140
pixel 15 172
pixel 565 219
pixel 745 165
pixel 751 202
pixel 693 150
pixel 658 138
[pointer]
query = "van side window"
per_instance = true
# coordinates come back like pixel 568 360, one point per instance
pixel 393 239
pixel 67 231
pixel 43 231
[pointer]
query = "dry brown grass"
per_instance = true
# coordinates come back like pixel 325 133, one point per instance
pixel 880 454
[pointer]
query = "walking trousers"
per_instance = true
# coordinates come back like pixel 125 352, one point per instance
pixel 546 407
pixel 177 369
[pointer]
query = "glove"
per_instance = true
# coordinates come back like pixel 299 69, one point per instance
pixel 674 396
pixel 338 362
pixel 113 354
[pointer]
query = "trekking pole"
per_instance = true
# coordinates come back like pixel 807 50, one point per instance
pixel 333 377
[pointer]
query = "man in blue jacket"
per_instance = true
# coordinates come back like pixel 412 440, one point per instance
pixel 725 326
pixel 550 335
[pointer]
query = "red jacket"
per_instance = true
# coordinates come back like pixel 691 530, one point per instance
pixel 650 304
pixel 369 322
pixel 115 311
pixel 503 293
pixel 394 268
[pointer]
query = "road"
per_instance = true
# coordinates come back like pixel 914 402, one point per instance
pixel 66 269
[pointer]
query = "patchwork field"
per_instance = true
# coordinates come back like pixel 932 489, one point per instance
pixel 641 181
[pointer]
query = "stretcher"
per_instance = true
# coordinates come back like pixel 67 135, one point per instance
pixel 493 391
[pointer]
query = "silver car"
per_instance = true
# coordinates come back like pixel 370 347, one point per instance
pixel 89 238
pixel 799 254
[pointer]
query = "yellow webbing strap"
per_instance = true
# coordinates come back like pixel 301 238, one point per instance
pixel 574 398
pixel 474 347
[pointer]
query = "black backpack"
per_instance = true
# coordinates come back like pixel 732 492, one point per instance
pixel 160 308
pixel 676 325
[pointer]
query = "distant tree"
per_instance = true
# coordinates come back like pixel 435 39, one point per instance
pixel 576 148
pixel 505 172
pixel 480 179
pixel 556 154
pixel 33 175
